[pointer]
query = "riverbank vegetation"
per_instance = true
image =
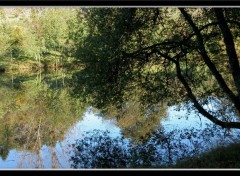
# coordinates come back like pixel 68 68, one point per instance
pixel 221 157
pixel 34 38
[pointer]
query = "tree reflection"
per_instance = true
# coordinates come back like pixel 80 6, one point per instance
pixel 136 119
pixel 4 145
pixel 163 149
pixel 35 114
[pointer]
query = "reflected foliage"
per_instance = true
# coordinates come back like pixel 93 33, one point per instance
pixel 99 149
pixel 34 114
pixel 136 120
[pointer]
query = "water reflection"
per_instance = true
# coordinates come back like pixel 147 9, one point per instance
pixel 40 124
pixel 183 142
pixel 35 114
pixel 180 138
pixel 58 156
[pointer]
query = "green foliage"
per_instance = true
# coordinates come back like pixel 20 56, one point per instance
pixel 161 54
pixel 4 37
pixel 101 53
pixel 4 46
pixel 77 32
pixel 23 44
pixel 54 29
pixel 40 34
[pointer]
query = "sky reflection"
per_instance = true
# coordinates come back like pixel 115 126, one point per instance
pixel 58 156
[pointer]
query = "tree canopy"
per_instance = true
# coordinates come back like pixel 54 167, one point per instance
pixel 162 55
pixel 39 34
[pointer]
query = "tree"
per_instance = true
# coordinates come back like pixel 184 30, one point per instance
pixel 46 35
pixel 23 43
pixel 55 28
pixel 4 37
pixel 164 55
pixel 56 37
pixel 77 31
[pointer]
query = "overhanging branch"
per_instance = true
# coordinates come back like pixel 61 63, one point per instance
pixel 208 61
pixel 200 109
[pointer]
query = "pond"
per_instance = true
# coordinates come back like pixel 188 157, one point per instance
pixel 42 125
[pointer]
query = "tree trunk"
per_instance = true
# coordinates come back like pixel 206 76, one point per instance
pixel 210 64
pixel 231 52
pixel 200 109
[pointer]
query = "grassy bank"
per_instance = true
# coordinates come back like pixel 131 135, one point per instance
pixel 222 157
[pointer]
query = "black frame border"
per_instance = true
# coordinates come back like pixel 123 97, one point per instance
pixel 131 3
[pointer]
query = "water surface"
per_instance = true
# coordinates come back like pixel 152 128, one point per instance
pixel 40 123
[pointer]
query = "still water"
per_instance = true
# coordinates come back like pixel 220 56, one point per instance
pixel 40 124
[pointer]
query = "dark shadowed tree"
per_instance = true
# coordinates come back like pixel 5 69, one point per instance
pixel 163 55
